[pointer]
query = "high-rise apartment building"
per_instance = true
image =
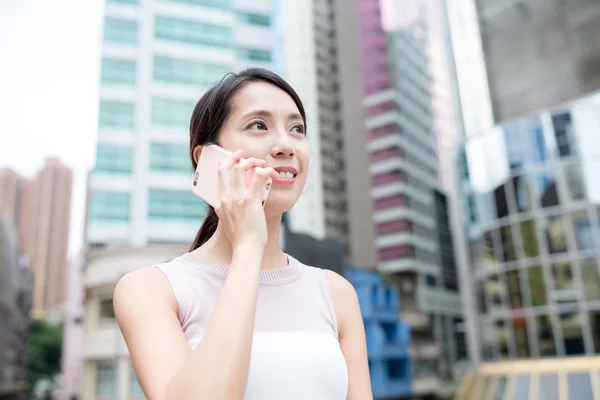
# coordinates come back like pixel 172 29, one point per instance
pixel 158 57
pixel 539 54
pixel 409 107
pixel 40 209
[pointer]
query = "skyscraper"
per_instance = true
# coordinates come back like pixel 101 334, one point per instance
pixel 409 110
pixel 158 57
pixel 40 209
pixel 49 237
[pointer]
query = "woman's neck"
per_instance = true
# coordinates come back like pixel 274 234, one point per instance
pixel 217 250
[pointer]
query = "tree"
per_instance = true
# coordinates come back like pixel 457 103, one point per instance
pixel 45 351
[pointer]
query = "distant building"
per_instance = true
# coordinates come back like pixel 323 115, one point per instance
pixel 15 304
pixel 532 215
pixel 40 210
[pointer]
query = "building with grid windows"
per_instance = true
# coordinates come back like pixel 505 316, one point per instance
pixel 158 57
pixel 532 212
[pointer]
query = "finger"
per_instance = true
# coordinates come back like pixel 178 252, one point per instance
pixel 225 167
pixel 241 171
pixel 261 177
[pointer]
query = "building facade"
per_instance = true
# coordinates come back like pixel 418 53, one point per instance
pixel 410 205
pixel 15 305
pixel 532 208
pixel 528 44
pixel 158 57
pixel 40 209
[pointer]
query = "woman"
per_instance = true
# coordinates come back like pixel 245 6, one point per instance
pixel 236 317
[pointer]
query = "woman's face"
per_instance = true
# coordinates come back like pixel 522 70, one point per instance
pixel 265 123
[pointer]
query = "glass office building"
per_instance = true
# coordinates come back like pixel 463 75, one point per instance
pixel 532 211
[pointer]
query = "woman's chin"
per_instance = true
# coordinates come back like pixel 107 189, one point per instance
pixel 277 205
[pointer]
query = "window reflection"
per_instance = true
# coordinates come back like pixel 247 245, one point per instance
pixel 590 277
pixel 594 317
pixel 563 134
pixel 583 230
pixel 555 234
pixel 537 286
pixel 546 190
pixel 571 329
pixel 545 336
pixel 524 140
pixel 514 289
pixel 500 200
pixel 508 248
pixel 521 338
pixel 580 386
pixel 523 192
pixel 575 182
pixel 502 337
pixel 531 246
pixel 548 387
pixel 563 276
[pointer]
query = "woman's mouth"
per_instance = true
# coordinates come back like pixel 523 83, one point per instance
pixel 287 175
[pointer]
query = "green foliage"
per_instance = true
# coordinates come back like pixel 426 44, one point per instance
pixel 45 351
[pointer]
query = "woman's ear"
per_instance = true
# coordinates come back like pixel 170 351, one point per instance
pixel 196 153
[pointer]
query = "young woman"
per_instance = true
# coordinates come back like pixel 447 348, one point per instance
pixel 236 317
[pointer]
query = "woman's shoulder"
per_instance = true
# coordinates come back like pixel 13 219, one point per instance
pixel 341 289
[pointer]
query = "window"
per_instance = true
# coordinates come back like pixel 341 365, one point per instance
pixel 169 158
pixel 254 19
pixel 118 72
pixel 124 1
pixel 194 32
pixel 223 4
pixel 531 247
pixel 583 230
pixel 590 275
pixel 109 207
pixel 556 235
pixel 107 312
pixel 545 336
pixel 113 159
pixel 116 114
pixel 105 381
pixel 594 316
pixel 521 388
pixel 187 72
pixel 117 30
pixel 548 387
pixel 175 206
pixel 171 113
pixel 572 333
pixel 537 286
pixel 255 55
pixel 580 386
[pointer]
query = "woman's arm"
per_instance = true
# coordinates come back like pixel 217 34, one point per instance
pixel 352 336
pixel 166 367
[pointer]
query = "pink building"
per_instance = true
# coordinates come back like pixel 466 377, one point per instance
pixel 407 77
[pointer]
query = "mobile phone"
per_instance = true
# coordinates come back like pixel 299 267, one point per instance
pixel 206 177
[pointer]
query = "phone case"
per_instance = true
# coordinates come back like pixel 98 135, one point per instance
pixel 206 177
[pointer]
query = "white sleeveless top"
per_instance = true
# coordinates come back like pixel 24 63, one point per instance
pixel 295 350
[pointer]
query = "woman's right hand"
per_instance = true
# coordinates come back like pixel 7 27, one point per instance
pixel 240 211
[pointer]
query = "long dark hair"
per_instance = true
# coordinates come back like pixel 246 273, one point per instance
pixel 210 113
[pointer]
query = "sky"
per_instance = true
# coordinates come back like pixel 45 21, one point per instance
pixel 50 51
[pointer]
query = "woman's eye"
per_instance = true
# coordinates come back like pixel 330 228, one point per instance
pixel 298 129
pixel 257 125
